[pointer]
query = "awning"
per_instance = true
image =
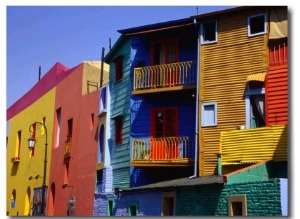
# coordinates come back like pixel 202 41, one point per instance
pixel 256 77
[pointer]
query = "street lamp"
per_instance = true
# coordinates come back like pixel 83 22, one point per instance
pixel 31 143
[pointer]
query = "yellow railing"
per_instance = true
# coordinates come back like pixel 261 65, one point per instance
pixel 254 145
pixel 166 148
pixel 165 75
pixel 68 144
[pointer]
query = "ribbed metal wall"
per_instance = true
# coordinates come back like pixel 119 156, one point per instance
pixel 224 67
pixel 254 145
pixel 277 95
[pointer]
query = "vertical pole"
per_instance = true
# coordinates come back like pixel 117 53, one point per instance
pixel 44 177
pixel 39 72
pixel 101 73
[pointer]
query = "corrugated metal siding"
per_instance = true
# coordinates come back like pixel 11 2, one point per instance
pixel 121 178
pixel 254 145
pixel 224 67
pixel 277 95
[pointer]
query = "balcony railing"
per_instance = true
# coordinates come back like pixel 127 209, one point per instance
pixel 165 75
pixel 163 149
pixel 68 146
pixel 254 145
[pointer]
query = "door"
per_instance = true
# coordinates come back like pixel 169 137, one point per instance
pixel 164 132
pixel 165 52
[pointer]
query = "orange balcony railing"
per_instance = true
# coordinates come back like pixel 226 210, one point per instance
pixel 163 149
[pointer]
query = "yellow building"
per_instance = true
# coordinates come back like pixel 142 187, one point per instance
pixel 24 166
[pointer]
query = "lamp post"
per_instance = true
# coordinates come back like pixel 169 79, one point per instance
pixel 31 143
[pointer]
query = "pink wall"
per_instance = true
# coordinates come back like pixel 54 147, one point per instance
pixel 56 74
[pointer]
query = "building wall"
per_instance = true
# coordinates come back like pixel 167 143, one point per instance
pixel 277 95
pixel 81 172
pixel 120 106
pixel 224 67
pixel 17 174
pixel 263 199
pixel 122 202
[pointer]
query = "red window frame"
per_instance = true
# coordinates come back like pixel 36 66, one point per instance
pixel 119 68
pixel 119 130
pixel 166 131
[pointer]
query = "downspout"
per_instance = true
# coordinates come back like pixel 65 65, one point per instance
pixel 197 106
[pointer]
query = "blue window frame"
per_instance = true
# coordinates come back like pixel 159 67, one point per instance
pixel 209 114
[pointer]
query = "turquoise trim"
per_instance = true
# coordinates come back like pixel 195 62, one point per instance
pixel 133 204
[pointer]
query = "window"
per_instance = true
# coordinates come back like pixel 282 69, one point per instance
pixel 164 51
pixel 66 173
pixel 133 209
pixel 58 120
pixel 103 99
pixel 118 130
pixel 119 68
pixel 70 129
pixel 18 145
pixel 255 104
pixel 164 122
pixel 237 205
pixel 209 32
pixel 101 145
pixel 257 25
pixel 33 135
pixel 99 181
pixel 209 114
pixel 13 199
pixel 92 122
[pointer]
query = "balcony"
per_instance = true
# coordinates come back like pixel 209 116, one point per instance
pixel 165 77
pixel 68 146
pixel 254 145
pixel 165 151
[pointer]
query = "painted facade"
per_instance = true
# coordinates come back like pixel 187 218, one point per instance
pixel 66 102
pixel 234 68
pixel 24 167
pixel 72 177
pixel 163 103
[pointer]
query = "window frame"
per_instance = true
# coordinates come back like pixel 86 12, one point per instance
pixel 249 25
pixel 119 62
pixel 108 213
pixel 118 130
pixel 248 110
pixel 164 111
pixel 203 41
pixel 133 204
pixel 237 198
pixel 215 123
pixel 167 42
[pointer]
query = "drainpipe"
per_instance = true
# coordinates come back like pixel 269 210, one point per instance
pixel 197 106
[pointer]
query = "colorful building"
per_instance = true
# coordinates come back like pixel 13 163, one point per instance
pixel 24 167
pixel 64 103
pixel 241 126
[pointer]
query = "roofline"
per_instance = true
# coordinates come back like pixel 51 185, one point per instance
pixel 157 26
pixel 221 12
pixel 110 55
